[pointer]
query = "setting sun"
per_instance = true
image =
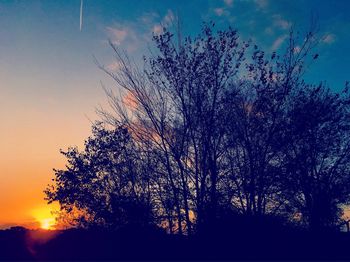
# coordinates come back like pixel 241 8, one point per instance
pixel 47 223
pixel 45 217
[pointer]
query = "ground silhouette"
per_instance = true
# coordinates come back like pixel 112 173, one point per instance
pixel 245 239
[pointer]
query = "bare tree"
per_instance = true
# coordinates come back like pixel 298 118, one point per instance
pixel 318 154
pixel 179 106
pixel 205 129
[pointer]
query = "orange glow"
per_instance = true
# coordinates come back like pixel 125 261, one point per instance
pixel 46 217
pixel 130 101
pixel 47 223
pixel 29 151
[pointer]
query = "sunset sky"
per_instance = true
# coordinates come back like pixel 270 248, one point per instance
pixel 50 85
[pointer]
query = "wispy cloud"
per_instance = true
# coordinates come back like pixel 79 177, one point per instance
pixel 155 23
pixel 169 17
pixel 133 35
pixel 157 29
pixel 130 101
pixel 117 35
pixel 261 3
pixel 149 18
pixel 278 42
pixel 167 21
pixel 228 2
pixel 113 67
pixel 280 22
pixel 219 11
pixel 329 39
pixel 125 36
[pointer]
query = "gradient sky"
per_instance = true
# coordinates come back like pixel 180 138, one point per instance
pixel 50 85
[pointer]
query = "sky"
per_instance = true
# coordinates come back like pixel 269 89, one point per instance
pixel 50 85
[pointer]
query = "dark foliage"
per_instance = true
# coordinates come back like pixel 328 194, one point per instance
pixel 214 139
pixel 104 181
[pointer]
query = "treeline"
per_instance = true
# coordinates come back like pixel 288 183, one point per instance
pixel 212 126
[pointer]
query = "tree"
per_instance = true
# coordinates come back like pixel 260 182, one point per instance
pixel 257 106
pixel 179 101
pixel 105 181
pixel 203 130
pixel 317 154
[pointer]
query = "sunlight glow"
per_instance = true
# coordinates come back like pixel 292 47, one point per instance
pixel 45 218
pixel 47 223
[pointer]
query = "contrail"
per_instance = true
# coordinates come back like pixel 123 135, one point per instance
pixel 81 14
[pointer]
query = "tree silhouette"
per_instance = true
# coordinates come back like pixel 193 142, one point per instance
pixel 317 154
pixel 257 106
pixel 211 126
pixel 105 181
pixel 179 101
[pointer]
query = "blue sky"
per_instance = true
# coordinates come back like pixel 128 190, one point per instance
pixel 43 38
pixel 50 85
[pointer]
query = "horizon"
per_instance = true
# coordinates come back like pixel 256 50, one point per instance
pixel 51 85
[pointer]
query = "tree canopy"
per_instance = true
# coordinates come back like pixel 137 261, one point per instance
pixel 211 126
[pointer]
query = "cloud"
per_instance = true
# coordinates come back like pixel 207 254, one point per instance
pixel 228 2
pixel 134 35
pixel 167 21
pixel 219 11
pixel 157 29
pixel 149 18
pixel 169 17
pixel 278 42
pixel 115 66
pixel 261 3
pixel 154 23
pixel 117 35
pixel 280 22
pixel 329 39
pixel 129 100
pixel 127 36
